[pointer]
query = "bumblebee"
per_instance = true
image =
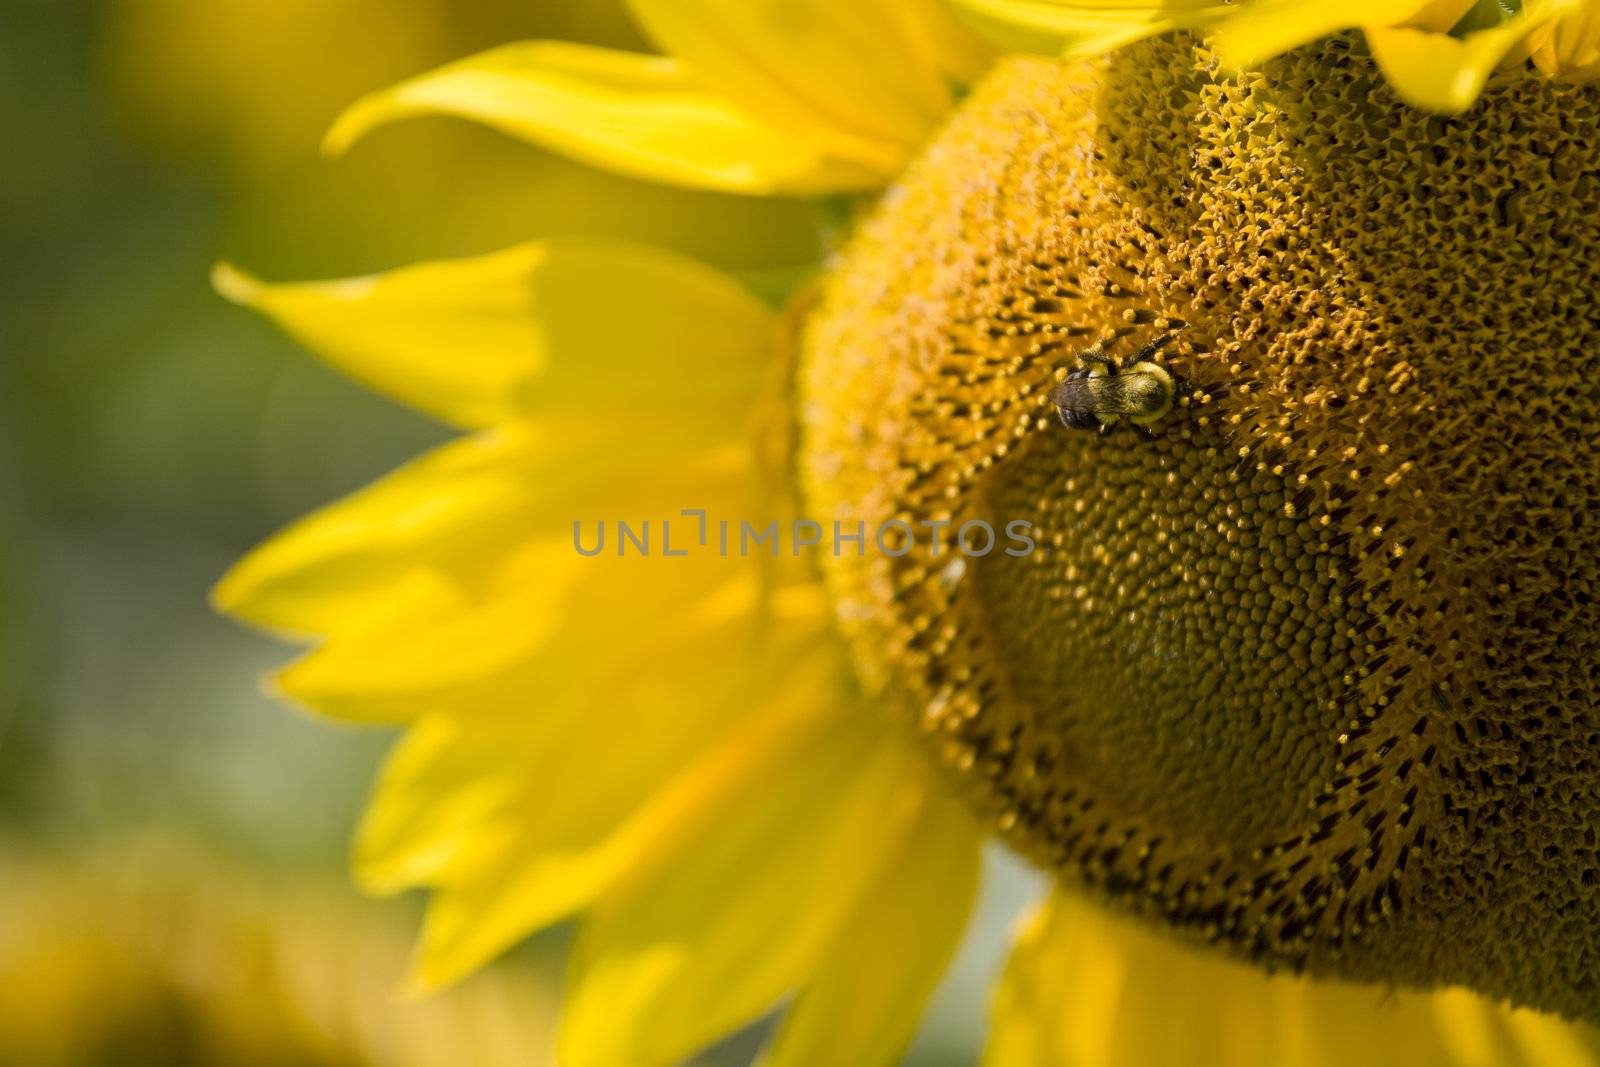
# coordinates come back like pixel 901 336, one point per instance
pixel 1100 396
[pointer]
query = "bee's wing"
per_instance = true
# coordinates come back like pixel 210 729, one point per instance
pixel 1068 393
pixel 1100 394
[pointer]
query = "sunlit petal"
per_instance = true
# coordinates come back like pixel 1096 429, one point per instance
pixel 527 607
pixel 1087 28
pixel 657 974
pixel 344 563
pixel 1440 72
pixel 1569 48
pixel 465 339
pixel 848 78
pixel 863 1003
pixel 638 115
pixel 600 784
pixel 1258 31
pixel 949 44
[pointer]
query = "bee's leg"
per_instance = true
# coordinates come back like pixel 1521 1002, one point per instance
pixel 1101 358
pixel 1149 350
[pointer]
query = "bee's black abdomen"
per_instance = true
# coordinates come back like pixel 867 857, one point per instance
pixel 1078 420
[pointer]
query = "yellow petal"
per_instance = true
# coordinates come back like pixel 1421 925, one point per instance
pixel 1443 73
pixel 644 341
pixel 1442 15
pixel 590 802
pixel 392 671
pixel 1570 47
pixel 1086 989
pixel 635 114
pixel 1547 1041
pixel 732 907
pixel 456 339
pixel 432 517
pixel 460 524
pixel 1086 28
pixel 529 609
pixel 642 388
pixel 440 804
pixel 848 78
pixel 862 1005
pixel 508 822
pixel 465 339
pixel 1267 28
pixel 947 44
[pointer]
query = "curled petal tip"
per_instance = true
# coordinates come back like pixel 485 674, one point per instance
pixel 234 285
pixel 351 125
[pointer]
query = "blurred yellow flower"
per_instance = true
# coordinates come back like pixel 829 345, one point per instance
pixel 676 751
pixel 152 953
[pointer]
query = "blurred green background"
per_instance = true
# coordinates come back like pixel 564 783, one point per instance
pixel 150 433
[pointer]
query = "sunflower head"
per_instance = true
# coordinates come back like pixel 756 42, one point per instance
pixel 1305 665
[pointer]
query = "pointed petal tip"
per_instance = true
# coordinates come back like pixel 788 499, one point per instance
pixel 418 986
pixel 423 979
pixel 239 588
pixel 267 685
pixel 285 686
pixel 439 963
pixel 373 880
pixel 223 597
pixel 243 592
pixel 293 683
pixel 320 691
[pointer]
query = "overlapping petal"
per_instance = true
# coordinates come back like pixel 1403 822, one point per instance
pixel 854 77
pixel 633 400
pixel 1444 73
pixel 948 44
pixel 1437 54
pixel 773 97
pixel 522 820
pixel 1257 31
pixel 625 737
pixel 643 116
pixel 620 735
pixel 1087 28
pixel 863 1002
pixel 735 900
pixel 1083 989
pixel 1568 47
pixel 530 608
pixel 396 541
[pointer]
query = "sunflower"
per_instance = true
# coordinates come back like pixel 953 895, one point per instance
pixel 731 629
